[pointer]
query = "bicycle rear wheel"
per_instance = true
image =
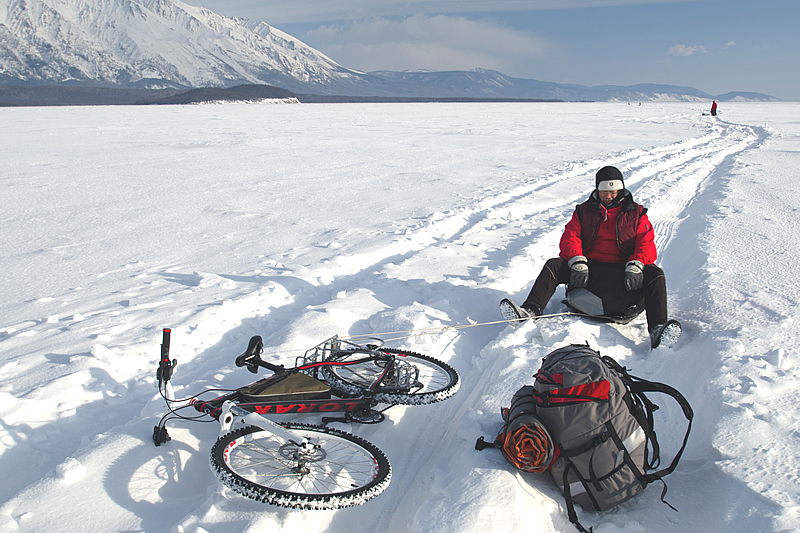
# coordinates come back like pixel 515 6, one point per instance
pixel 433 380
pixel 339 470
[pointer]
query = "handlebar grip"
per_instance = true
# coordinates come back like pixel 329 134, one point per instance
pixel 165 344
pixel 165 366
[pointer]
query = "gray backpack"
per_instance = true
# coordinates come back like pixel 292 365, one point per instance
pixel 601 425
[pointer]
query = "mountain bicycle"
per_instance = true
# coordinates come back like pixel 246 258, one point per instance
pixel 298 465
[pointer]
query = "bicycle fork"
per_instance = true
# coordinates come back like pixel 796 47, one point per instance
pixel 297 449
pixel 231 411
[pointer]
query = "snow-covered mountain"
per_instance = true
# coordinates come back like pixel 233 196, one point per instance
pixel 153 44
pixel 168 44
pixel 484 83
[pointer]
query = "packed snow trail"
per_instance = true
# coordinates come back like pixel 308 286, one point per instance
pixel 435 270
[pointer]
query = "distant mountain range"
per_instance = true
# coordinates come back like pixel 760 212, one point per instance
pixel 157 49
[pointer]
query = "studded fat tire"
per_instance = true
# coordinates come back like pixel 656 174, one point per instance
pixel 350 472
pixel 440 380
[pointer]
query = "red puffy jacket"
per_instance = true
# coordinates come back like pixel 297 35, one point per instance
pixel 617 235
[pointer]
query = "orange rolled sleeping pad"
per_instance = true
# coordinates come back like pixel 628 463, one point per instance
pixel 528 447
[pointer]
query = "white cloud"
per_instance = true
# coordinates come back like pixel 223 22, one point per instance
pixel 731 43
pixel 682 50
pixel 279 12
pixel 421 42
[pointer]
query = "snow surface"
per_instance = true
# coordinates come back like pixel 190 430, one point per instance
pixel 297 222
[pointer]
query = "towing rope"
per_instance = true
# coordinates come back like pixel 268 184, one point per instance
pixel 411 333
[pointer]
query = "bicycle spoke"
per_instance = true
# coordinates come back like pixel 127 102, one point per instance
pixel 425 379
pixel 335 463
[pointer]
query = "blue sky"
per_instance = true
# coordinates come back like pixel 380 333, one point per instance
pixel 716 46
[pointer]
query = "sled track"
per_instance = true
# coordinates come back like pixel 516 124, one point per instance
pixel 665 179
pixel 678 177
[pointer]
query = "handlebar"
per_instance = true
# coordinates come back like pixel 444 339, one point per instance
pixel 165 366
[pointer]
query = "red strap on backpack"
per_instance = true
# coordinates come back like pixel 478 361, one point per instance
pixel 588 392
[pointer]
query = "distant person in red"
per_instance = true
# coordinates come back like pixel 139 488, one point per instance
pixel 714 108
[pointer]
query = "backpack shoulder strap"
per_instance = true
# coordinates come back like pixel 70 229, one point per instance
pixel 571 514
pixel 639 386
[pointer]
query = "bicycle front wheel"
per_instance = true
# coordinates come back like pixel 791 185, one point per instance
pixel 335 470
pixel 428 380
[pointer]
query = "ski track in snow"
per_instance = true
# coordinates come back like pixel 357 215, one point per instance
pixel 496 247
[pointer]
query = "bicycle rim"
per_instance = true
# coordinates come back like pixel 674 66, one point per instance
pixel 343 470
pixel 436 381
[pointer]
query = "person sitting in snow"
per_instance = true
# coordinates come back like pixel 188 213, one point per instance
pixel 607 248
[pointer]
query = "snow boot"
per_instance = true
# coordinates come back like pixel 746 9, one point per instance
pixel 665 334
pixel 514 313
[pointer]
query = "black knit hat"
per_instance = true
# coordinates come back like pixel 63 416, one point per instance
pixel 609 179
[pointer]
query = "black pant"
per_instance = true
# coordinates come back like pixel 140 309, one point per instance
pixel 556 272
